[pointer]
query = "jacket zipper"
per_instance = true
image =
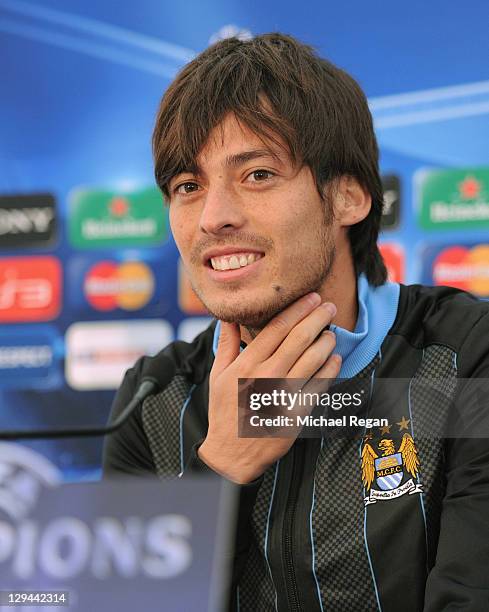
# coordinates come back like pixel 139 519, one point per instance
pixel 287 550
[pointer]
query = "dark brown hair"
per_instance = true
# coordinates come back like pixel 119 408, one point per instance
pixel 285 93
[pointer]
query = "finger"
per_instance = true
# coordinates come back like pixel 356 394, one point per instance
pixel 227 347
pixel 314 357
pixel 325 376
pixel 300 339
pixel 274 332
pixel 331 368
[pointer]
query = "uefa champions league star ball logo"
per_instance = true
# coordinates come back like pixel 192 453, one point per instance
pixel 23 474
pixel 228 31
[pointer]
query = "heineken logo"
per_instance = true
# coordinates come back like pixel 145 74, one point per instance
pixel 105 218
pixel 94 229
pixel 469 188
pixel 119 207
pixel 454 198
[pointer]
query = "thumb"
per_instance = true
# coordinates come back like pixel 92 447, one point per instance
pixel 228 346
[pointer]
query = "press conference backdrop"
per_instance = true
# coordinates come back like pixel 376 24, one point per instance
pixel 89 273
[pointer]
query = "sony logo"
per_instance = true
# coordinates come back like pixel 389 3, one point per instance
pixel 26 220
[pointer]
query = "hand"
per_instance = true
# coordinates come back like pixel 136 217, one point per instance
pixel 291 345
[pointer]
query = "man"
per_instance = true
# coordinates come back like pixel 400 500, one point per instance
pixel 268 161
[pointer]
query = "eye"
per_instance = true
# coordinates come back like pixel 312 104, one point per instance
pixel 260 175
pixel 187 187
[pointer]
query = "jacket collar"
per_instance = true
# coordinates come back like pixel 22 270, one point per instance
pixel 377 309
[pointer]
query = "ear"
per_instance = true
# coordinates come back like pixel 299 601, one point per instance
pixel 352 201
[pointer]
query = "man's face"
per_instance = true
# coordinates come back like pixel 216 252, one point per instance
pixel 252 230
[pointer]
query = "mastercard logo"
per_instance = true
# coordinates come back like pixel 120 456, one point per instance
pixel 109 285
pixel 393 256
pixel 464 268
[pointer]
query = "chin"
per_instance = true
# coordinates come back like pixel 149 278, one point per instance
pixel 246 313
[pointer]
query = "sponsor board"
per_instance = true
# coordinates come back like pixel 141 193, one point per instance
pixel 103 218
pixel 27 220
pixel 139 538
pixel 394 259
pixel 188 301
pixel 30 357
pixel 98 353
pixel 128 285
pixel 24 474
pixel 191 327
pixel 392 202
pixel 30 288
pixel 458 265
pixel 453 199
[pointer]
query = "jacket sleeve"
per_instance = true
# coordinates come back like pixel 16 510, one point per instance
pixel 460 578
pixel 127 451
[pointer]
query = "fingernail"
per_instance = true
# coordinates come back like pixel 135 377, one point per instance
pixel 330 307
pixel 314 298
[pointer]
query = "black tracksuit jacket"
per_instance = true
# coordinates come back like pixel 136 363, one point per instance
pixel 306 539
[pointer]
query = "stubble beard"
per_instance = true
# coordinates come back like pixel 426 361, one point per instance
pixel 307 279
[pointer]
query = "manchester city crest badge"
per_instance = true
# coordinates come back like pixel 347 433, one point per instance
pixel 383 473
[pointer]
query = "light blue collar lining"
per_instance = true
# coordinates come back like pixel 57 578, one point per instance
pixel 377 310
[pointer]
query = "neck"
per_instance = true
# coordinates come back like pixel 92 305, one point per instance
pixel 340 288
pixel 342 291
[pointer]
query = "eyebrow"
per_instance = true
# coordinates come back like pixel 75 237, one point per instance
pixel 238 159
pixel 234 161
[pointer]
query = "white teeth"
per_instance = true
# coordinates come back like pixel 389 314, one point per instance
pixel 233 262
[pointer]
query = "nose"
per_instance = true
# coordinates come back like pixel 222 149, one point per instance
pixel 222 211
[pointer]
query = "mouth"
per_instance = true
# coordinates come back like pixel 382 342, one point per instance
pixel 233 265
pixel 233 261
